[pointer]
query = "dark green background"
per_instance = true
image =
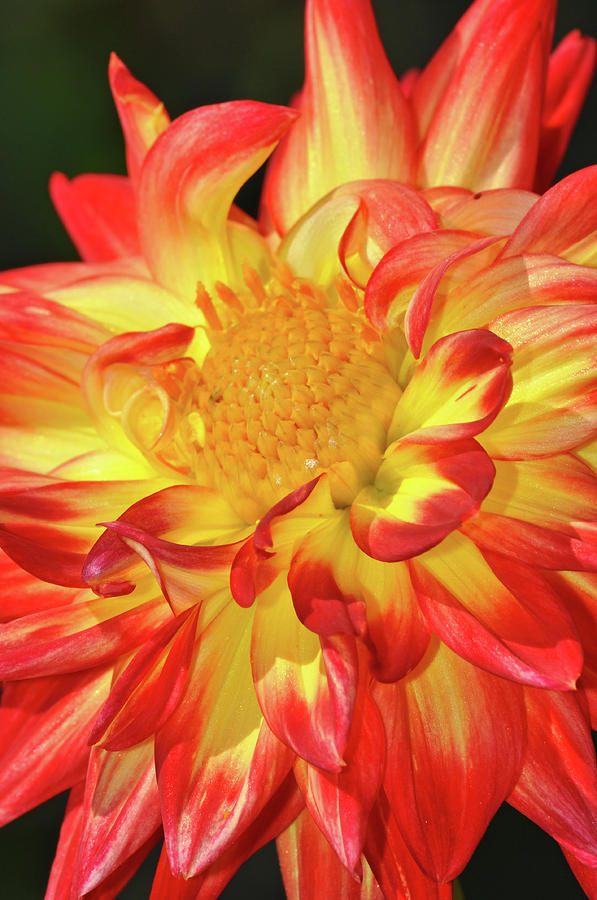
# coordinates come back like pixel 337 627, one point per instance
pixel 57 114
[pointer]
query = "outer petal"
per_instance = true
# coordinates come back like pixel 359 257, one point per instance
pixel 562 222
pixel 44 728
pixel 121 812
pixel 570 73
pixel 451 722
pixel 189 179
pixel 310 867
pixel 218 763
pixel 340 803
pixel 558 784
pixel 351 98
pixel 276 815
pixel 22 593
pixel 502 617
pixel 142 115
pixel 305 685
pixel 553 405
pixel 484 131
pixel 99 213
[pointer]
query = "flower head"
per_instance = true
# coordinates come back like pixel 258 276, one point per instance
pixel 342 591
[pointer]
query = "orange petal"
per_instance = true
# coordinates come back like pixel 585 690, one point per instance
pixel 217 761
pixel 351 98
pixel 305 684
pixel 452 721
pixel 562 222
pixel 44 728
pixel 121 812
pixel 189 179
pixel 310 868
pixel 557 788
pixel 99 213
pixel 569 76
pixel 498 613
pixel 483 131
pixel 340 802
pixel 142 115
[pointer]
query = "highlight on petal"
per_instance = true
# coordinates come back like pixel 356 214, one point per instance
pixel 479 100
pixel 447 760
pixel 421 493
pixel 142 115
pixel 351 98
pixel 99 213
pixel 189 180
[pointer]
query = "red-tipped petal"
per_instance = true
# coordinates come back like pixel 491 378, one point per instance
pixel 44 727
pixel 422 492
pixel 142 115
pixel 340 802
pixel 557 787
pixel 351 98
pixel 189 180
pixel 305 684
pixel 451 721
pixel 99 213
pixel 503 616
pixel 310 868
pixel 569 76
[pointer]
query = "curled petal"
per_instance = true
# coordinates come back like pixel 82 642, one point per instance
pixel 451 720
pixel 351 98
pixel 306 685
pixel 557 787
pixel 563 221
pixel 457 391
pixel 142 115
pixel 99 213
pixel 189 179
pixel 422 492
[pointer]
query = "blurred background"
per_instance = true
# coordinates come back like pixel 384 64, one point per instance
pixel 58 115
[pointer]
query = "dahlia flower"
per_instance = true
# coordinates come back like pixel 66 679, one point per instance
pixel 298 516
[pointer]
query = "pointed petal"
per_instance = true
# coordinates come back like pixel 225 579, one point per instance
pixel 149 689
pixel 277 815
pixel 484 130
pixel 452 721
pixel 141 114
pixel 121 812
pixel 557 787
pixel 310 868
pixel 421 493
pixel 340 802
pixel 498 614
pixel 99 213
pixel 305 685
pixel 553 403
pixel 44 728
pixel 563 221
pixel 571 69
pixel 189 179
pixel 351 98
pixel 218 763
pixel 393 865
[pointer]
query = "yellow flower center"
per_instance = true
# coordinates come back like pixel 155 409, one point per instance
pixel 289 392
